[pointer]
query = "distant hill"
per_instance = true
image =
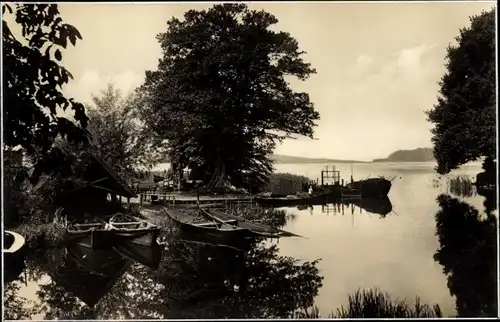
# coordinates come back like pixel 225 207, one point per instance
pixel 288 159
pixel 417 155
pixel 280 158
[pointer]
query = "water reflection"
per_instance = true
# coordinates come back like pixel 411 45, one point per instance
pixel 467 252
pixel 381 206
pixel 190 280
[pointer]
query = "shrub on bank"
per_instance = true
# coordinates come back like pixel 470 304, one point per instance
pixel 286 183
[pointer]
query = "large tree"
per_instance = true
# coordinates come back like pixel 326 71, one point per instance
pixel 33 80
pixel 464 116
pixel 221 97
pixel 118 134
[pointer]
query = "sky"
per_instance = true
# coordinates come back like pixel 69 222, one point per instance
pixel 378 64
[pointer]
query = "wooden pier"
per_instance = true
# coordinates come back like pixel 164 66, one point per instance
pixel 176 198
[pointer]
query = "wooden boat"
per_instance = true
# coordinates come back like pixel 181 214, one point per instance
pixel 93 233
pixel 149 256
pixel 193 222
pixel 14 248
pixel 373 187
pixel 258 229
pixel 134 230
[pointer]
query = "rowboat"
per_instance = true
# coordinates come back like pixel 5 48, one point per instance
pixel 149 256
pixel 93 233
pixel 194 222
pixel 134 230
pixel 14 246
pixel 258 229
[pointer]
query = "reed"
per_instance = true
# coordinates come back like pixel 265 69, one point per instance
pixel 286 183
pixel 462 186
pixel 373 303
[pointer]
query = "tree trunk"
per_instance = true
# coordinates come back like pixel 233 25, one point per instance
pixel 219 176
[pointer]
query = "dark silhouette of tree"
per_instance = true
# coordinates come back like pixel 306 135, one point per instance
pixel 220 96
pixel 468 255
pixel 464 117
pixel 33 78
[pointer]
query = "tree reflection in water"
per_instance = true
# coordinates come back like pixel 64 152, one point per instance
pixel 468 255
pixel 192 281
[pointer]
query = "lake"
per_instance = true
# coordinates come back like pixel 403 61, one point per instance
pixel 424 247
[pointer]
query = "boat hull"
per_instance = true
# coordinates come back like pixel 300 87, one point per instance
pixel 144 237
pixel 149 256
pixel 15 248
pixel 222 234
pixel 372 188
pixel 94 239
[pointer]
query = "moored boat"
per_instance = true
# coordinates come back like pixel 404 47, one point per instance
pixel 258 229
pixel 149 256
pixel 92 233
pixel 134 230
pixel 14 245
pixel 191 221
pixel 372 187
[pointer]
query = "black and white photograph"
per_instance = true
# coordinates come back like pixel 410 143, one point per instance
pixel 249 160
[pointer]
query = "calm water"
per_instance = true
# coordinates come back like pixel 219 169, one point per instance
pixel 424 247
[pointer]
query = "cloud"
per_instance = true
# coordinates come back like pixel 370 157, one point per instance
pixel 93 82
pixel 364 60
pixel 410 60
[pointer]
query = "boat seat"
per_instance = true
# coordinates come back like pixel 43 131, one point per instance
pixel 88 225
pixel 230 222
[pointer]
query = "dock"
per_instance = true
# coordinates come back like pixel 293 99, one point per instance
pixel 177 198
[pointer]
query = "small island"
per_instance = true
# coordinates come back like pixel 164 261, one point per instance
pixel 416 155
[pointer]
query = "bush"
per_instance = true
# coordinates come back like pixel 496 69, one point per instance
pixel 286 183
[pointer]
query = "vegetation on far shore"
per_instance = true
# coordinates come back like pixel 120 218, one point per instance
pixel 416 155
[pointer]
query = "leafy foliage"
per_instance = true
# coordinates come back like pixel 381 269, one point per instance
pixel 220 95
pixel 119 136
pixel 33 79
pixel 464 116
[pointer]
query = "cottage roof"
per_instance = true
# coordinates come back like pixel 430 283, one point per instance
pixel 99 168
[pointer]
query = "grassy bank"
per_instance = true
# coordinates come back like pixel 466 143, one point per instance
pixel 41 235
pixel 286 183
pixel 373 303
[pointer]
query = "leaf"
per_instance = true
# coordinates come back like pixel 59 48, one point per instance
pixel 58 55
